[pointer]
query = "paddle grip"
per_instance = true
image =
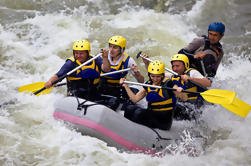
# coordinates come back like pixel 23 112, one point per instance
pixel 138 55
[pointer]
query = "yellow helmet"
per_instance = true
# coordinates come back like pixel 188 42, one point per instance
pixel 118 40
pixel 181 57
pixel 156 67
pixel 81 45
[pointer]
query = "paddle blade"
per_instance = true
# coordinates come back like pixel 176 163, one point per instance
pixel 238 107
pixel 31 88
pixel 218 96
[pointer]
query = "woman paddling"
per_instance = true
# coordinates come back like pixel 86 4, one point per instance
pixel 161 102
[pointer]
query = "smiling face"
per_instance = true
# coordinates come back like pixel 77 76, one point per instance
pixel 178 67
pixel 82 56
pixel 156 78
pixel 214 37
pixel 115 50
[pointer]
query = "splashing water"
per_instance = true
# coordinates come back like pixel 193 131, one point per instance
pixel 37 36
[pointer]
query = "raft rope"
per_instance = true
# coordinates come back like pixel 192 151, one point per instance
pixel 84 106
pixel 159 136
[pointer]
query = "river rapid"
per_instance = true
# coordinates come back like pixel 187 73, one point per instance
pixel 36 37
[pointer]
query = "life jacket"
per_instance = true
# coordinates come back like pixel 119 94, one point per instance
pixel 113 80
pixel 84 77
pixel 189 86
pixel 158 100
pixel 218 50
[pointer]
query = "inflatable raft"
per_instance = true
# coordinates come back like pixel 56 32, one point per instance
pixel 105 124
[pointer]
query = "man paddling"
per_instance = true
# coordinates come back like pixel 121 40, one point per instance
pixel 205 53
pixel 82 83
pixel 191 80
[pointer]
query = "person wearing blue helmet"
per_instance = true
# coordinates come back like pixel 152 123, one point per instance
pixel 205 53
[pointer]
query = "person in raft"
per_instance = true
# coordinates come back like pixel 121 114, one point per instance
pixel 83 82
pixel 205 53
pixel 161 102
pixel 189 79
pixel 109 87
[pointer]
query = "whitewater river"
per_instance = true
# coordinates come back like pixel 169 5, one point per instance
pixel 36 37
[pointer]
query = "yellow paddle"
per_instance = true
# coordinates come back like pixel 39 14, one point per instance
pixel 34 87
pixel 170 71
pixel 238 107
pixel 217 96
pixel 31 88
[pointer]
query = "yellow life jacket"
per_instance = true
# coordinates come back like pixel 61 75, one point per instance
pixel 113 80
pixel 157 101
pixel 186 85
pixel 87 72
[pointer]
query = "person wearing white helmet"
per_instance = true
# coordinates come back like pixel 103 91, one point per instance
pixel 205 53
pixel 83 82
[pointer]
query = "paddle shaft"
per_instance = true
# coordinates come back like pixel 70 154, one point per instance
pixel 148 59
pixel 159 87
pixel 69 73
pixel 61 84
pixel 114 72
pixel 105 74
pixel 201 62
pixel 140 55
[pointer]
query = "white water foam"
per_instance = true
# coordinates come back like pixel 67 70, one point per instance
pixel 30 136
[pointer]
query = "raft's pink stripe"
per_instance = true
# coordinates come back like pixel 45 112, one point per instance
pixel 95 126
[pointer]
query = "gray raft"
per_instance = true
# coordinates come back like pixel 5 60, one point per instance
pixel 105 124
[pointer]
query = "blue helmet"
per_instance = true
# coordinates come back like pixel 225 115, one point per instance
pixel 217 27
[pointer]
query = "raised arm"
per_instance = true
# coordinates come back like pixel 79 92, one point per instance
pixel 106 64
pixel 133 97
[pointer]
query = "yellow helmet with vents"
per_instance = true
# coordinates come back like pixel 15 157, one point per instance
pixel 156 67
pixel 181 57
pixel 81 45
pixel 118 40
